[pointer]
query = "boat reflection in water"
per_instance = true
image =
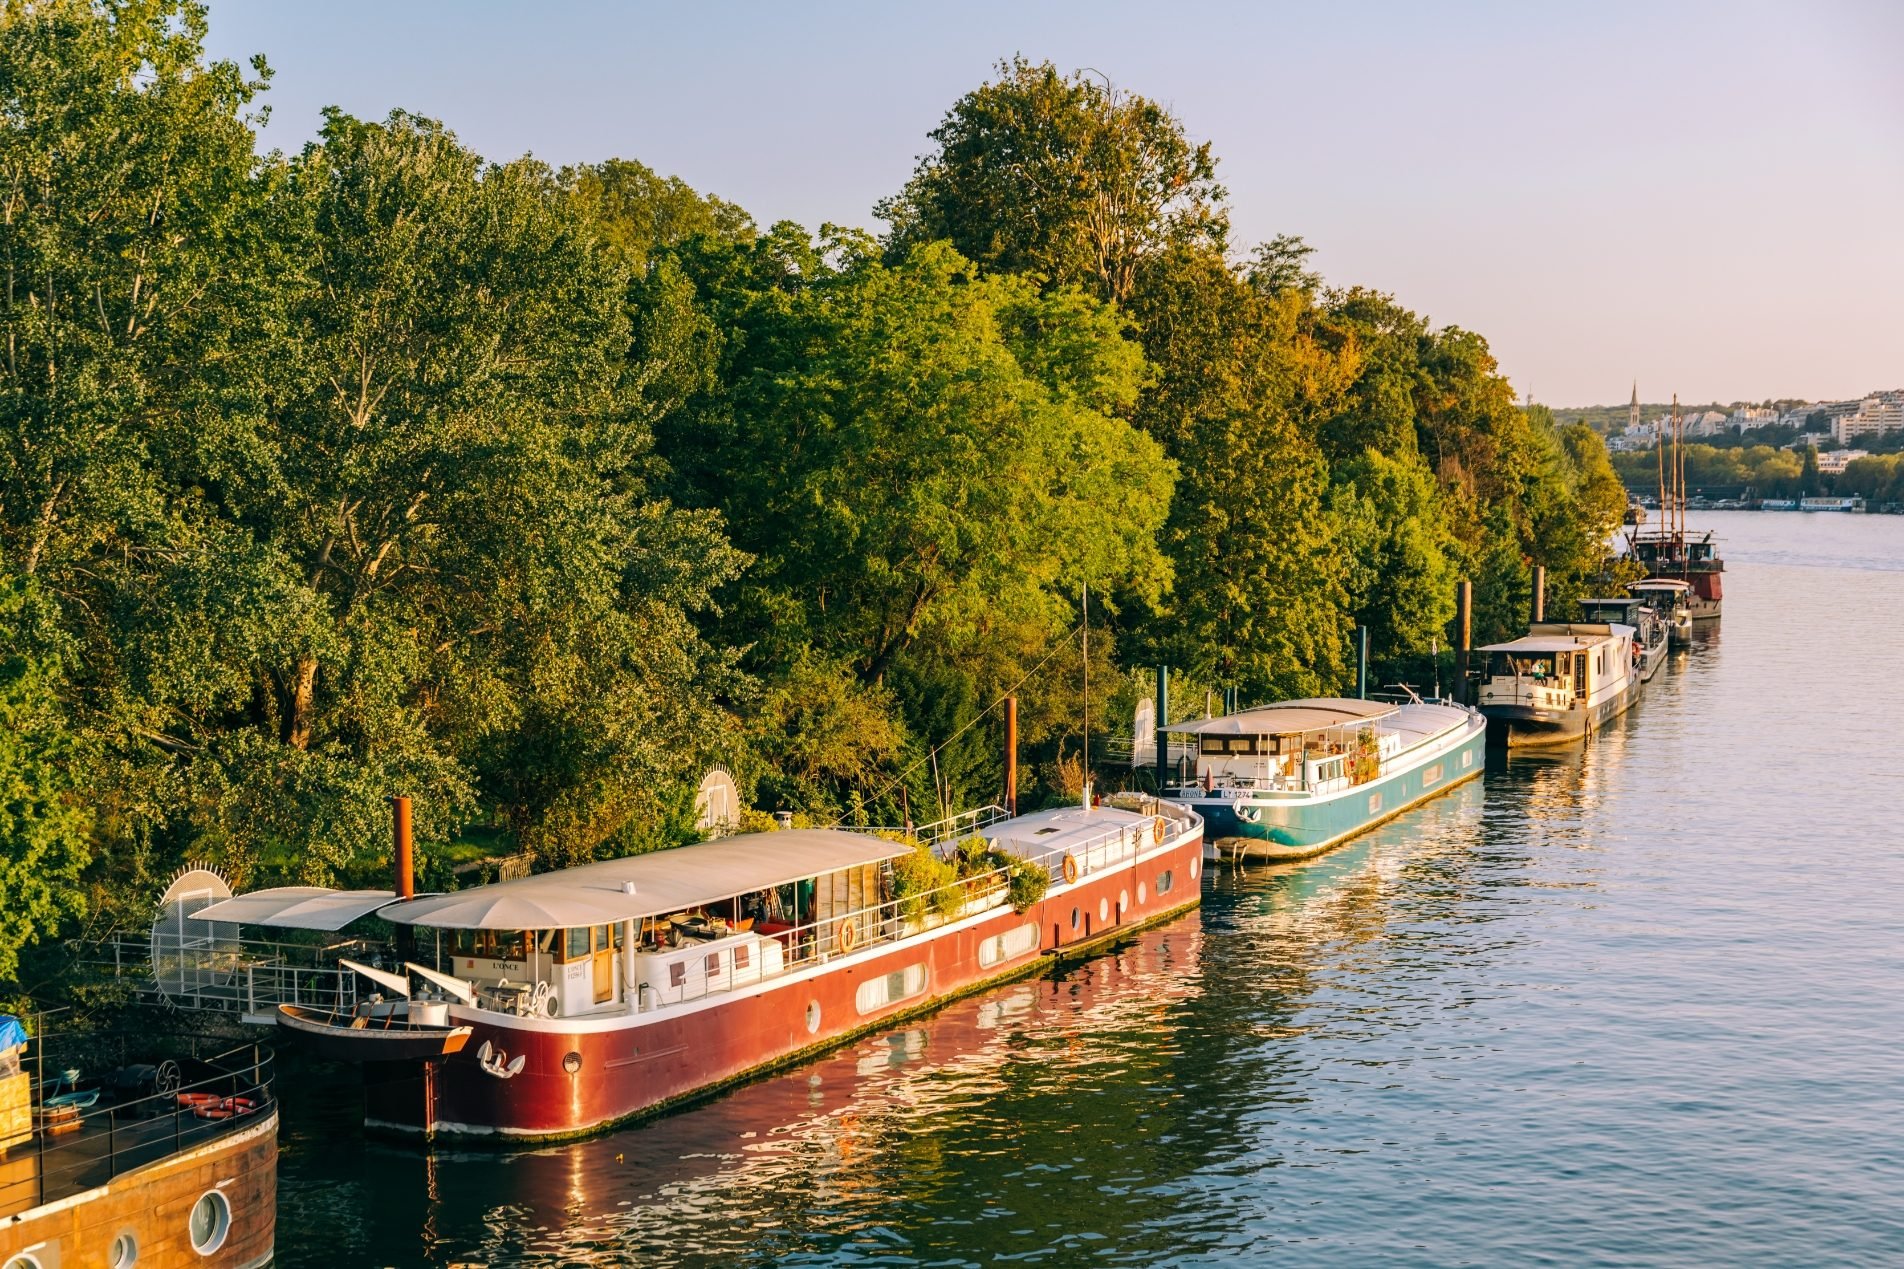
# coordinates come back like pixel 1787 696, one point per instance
pixel 802 1137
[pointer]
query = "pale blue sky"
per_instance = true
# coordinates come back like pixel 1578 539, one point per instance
pixel 1708 197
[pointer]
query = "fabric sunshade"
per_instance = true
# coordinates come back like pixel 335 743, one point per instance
pixel 297 907
pixel 664 881
pixel 1286 718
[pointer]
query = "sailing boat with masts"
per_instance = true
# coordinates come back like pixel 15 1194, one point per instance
pixel 1671 552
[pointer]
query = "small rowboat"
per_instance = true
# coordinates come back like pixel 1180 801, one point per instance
pixel 390 1038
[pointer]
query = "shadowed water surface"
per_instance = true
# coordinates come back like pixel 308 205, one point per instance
pixel 1633 1002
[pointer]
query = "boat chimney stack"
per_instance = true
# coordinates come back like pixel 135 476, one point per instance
pixel 1540 592
pixel 403 852
pixel 1361 673
pixel 1011 755
pixel 1163 721
pixel 1463 637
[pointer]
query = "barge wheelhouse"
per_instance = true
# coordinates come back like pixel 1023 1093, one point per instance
pixel 1296 778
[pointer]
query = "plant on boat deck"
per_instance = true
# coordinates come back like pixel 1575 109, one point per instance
pixel 922 879
pixel 1029 882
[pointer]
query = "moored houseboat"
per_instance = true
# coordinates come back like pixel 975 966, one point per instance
pixel 1296 778
pixel 1672 601
pixel 1561 681
pixel 616 989
pixel 160 1165
pixel 1692 558
pixel 1650 638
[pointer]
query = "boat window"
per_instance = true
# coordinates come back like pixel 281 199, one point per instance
pixel 1165 880
pixel 741 956
pixel 124 1252
pixel 209 1222
pixel 677 973
pixel 577 943
pixel 713 964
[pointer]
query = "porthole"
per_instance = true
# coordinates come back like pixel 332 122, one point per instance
pixel 23 1261
pixel 813 1016
pixel 209 1222
pixel 572 1062
pixel 124 1252
pixel 1103 909
pixel 1077 917
pixel 1123 902
pixel 1143 895
pixel 1196 866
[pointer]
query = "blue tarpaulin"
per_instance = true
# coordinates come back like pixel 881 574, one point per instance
pixel 12 1034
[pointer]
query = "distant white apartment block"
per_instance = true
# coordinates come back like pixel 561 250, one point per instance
pixel 1875 415
pixel 1833 462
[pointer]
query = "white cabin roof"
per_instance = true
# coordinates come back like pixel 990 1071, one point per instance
pixel 1659 583
pixel 1557 637
pixel 1285 718
pixel 663 881
pixel 297 907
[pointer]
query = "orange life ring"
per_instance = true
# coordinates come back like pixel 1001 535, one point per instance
pixel 846 935
pixel 1158 828
pixel 1071 869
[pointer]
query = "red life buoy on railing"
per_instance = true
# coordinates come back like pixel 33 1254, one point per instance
pixel 1158 827
pixel 1071 870
pixel 846 935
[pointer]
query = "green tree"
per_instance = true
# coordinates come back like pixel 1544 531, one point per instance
pixel 638 211
pixel 1065 178
pixel 44 828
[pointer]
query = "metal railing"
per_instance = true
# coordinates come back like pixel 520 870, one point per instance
pixel 232 975
pixel 74 1153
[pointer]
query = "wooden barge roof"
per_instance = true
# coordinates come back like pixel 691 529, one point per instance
pixel 654 884
pixel 1287 718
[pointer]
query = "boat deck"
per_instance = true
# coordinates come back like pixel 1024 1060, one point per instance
pixel 108 1141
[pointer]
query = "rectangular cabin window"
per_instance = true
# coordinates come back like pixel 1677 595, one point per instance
pixel 575 946
pixel 713 964
pixel 740 957
pixel 677 974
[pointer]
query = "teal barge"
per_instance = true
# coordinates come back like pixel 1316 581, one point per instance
pixel 1290 780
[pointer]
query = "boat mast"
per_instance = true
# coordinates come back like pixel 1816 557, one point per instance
pixel 1659 451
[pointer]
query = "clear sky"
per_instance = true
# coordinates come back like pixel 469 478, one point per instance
pixel 1705 197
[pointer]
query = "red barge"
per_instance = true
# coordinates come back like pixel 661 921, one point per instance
pixel 617 989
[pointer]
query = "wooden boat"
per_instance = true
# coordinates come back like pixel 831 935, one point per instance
pixel 391 1036
pixel 1290 780
pixel 166 1166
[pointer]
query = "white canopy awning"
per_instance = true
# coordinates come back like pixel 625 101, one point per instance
pixel 662 881
pixel 1286 718
pixel 297 907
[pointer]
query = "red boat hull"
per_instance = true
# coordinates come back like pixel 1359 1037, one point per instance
pixel 592 1073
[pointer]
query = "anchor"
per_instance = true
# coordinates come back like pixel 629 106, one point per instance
pixel 498 1064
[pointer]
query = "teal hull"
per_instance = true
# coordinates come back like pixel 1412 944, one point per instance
pixel 1277 829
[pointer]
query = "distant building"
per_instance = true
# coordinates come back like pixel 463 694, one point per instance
pixel 1751 418
pixel 1833 462
pixel 1876 414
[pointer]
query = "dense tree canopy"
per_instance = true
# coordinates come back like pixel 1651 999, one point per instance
pixel 381 467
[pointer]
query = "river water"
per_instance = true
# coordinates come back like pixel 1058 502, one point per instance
pixel 1634 1002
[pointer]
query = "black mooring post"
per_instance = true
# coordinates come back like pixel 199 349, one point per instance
pixel 1163 721
pixel 1361 673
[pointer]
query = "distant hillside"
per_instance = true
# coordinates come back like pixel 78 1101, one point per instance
pixel 1611 418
